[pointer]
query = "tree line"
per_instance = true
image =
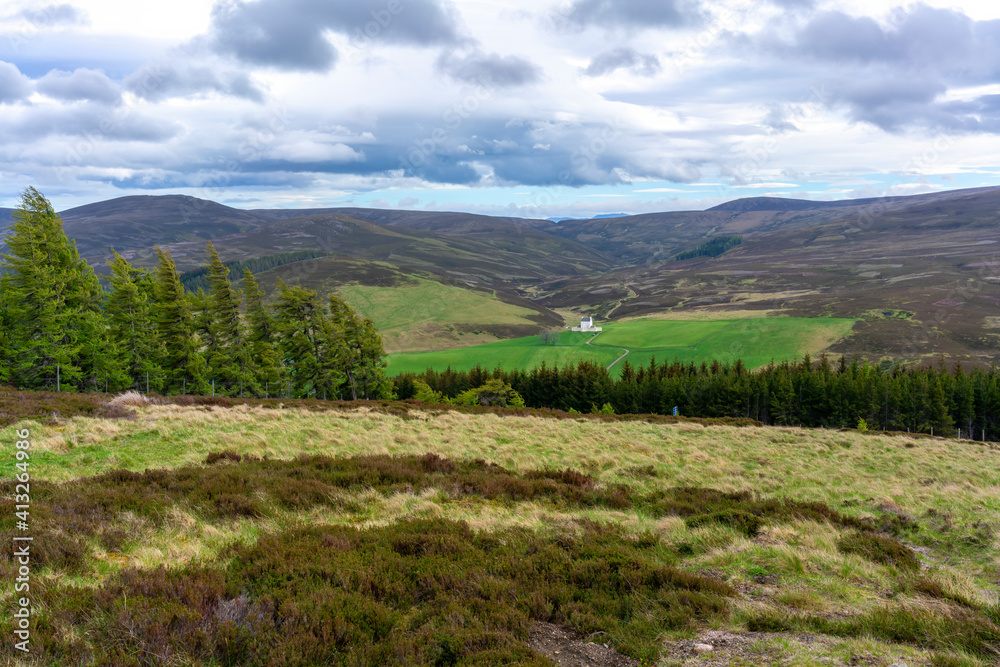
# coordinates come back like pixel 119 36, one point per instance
pixel 59 328
pixel 196 279
pixel 837 394
pixel 712 248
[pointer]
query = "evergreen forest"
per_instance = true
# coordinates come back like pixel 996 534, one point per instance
pixel 60 328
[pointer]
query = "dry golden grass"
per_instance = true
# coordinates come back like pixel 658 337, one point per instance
pixel 870 471
pixel 129 399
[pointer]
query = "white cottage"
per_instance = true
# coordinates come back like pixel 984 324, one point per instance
pixel 587 324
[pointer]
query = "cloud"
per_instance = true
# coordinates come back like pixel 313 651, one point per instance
pixel 623 58
pixel 777 119
pixel 795 4
pixel 627 14
pixel 488 69
pixel 159 81
pixel 80 84
pixel 291 35
pixel 94 121
pixel 312 151
pixel 14 86
pixel 837 36
pixel 55 15
pixel 901 70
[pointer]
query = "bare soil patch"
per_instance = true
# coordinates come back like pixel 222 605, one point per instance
pixel 568 649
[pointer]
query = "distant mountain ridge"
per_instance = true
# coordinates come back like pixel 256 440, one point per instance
pixel 593 217
pixel 747 204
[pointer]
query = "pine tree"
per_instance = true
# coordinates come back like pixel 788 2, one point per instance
pixel 129 309
pixel 228 349
pixel 50 298
pixel 308 340
pixel 360 353
pixel 261 334
pixel 185 368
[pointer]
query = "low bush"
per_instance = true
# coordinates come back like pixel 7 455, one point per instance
pixel 428 592
pixel 879 549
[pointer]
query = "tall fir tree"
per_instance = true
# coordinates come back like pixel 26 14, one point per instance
pixel 360 353
pixel 308 341
pixel 184 366
pixel 50 298
pixel 130 315
pixel 261 334
pixel 229 351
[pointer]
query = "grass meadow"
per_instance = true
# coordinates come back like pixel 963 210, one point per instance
pixel 409 534
pixel 417 314
pixel 757 342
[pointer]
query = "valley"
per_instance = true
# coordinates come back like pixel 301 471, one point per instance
pixel 916 273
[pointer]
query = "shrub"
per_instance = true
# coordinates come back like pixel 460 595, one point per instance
pixel 878 549
pixel 745 522
pixel 129 399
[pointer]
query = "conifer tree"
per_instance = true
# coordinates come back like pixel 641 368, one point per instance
pixel 184 366
pixel 261 335
pixel 360 353
pixel 50 298
pixel 129 309
pixel 228 349
pixel 308 339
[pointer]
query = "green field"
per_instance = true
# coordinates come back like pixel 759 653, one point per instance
pixel 421 313
pixel 525 352
pixel 756 341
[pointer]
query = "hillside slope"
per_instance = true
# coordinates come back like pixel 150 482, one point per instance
pixel 481 532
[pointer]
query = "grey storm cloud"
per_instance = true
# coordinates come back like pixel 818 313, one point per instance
pixel 920 36
pixel 80 84
pixel 55 15
pixel 777 120
pixel 93 121
pixel 576 154
pixel 624 58
pixel 886 100
pixel 157 82
pixel 292 34
pixel 14 86
pixel 900 69
pixel 488 69
pixel 628 14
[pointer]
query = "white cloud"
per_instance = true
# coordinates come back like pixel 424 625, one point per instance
pixel 703 97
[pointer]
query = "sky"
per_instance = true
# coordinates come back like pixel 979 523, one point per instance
pixel 541 108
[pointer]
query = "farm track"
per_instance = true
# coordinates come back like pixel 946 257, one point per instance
pixel 613 363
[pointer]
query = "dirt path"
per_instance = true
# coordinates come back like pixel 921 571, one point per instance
pixel 631 295
pixel 612 364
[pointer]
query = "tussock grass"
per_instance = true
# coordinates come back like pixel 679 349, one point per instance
pixel 127 399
